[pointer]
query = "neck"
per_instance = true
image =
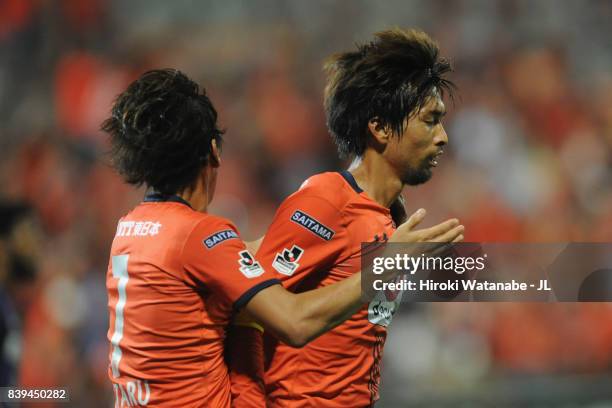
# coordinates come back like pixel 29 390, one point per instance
pixel 197 199
pixel 376 177
pixel 200 194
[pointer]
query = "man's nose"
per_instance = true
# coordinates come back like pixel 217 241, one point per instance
pixel 441 138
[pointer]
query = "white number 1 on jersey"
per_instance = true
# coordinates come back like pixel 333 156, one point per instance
pixel 119 268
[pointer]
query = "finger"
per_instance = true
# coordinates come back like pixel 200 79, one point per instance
pixel 449 236
pixel 439 249
pixel 444 246
pixel 414 220
pixel 430 233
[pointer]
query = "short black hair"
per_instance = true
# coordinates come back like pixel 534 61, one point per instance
pixel 388 78
pixel 161 128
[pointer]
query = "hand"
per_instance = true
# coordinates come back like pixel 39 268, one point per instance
pixel 430 242
pixel 447 232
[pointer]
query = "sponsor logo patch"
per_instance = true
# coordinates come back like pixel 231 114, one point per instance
pixel 286 262
pixel 138 228
pixel 381 309
pixel 248 265
pixel 312 225
pixel 219 237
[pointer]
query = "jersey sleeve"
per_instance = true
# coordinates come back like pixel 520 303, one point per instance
pixel 306 237
pixel 216 258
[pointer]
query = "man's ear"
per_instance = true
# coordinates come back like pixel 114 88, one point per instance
pixel 215 155
pixel 381 133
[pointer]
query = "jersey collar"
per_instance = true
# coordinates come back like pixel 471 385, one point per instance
pixel 156 197
pixel 353 183
pixel 351 180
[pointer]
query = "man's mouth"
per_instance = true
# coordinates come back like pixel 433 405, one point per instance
pixel 433 162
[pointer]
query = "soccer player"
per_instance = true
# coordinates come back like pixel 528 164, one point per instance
pixel 176 273
pixel 384 108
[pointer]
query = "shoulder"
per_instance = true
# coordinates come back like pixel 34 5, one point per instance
pixel 212 233
pixel 318 206
pixel 207 224
pixel 329 187
pixel 209 230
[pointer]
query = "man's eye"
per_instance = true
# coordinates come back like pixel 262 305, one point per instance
pixel 432 122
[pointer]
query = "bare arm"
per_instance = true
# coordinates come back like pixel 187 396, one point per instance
pixel 297 319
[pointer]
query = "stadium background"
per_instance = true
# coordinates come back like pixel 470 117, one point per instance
pixel 529 160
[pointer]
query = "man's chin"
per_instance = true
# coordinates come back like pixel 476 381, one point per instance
pixel 418 177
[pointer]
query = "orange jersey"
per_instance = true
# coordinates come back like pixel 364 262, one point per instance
pixel 315 240
pixel 174 278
